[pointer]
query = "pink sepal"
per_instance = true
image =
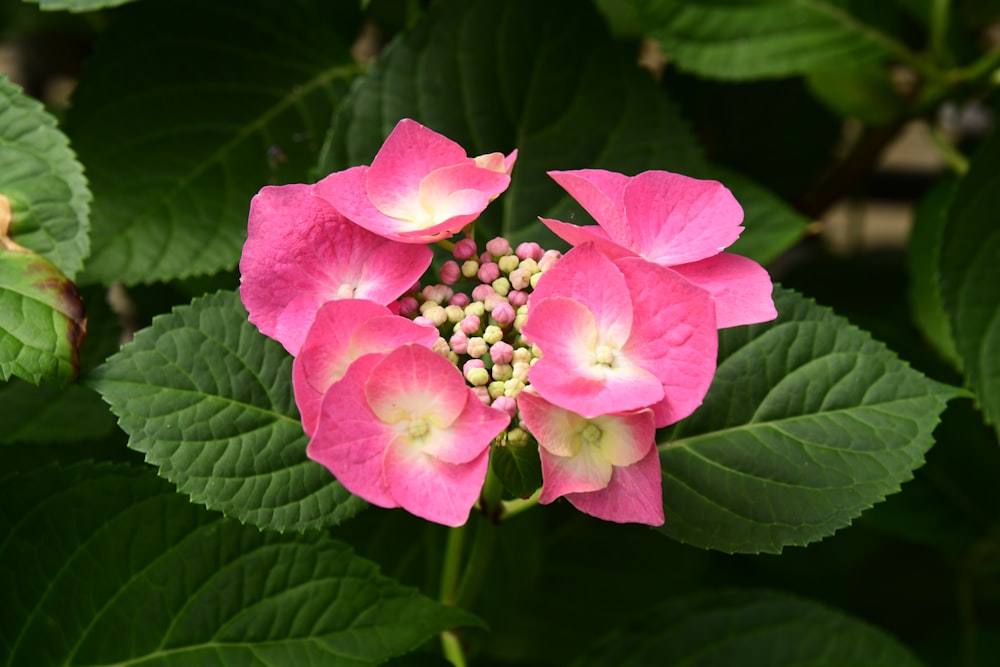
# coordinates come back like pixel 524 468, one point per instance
pixel 634 495
pixel 740 286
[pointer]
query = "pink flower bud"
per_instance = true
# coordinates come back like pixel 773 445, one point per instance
pixel 470 364
pixel 437 293
pixel 498 247
pixel 503 313
pixel 469 324
pixel 408 306
pixel 459 342
pixel 465 249
pixel 501 353
pixel 548 259
pixel 483 394
pixel 460 299
pixel 485 257
pixel 532 250
pixel 424 322
pixel 506 404
pixel 488 272
pixel 517 298
pixel 480 292
pixel 450 272
pixel 519 279
pixel 493 300
pixel 441 347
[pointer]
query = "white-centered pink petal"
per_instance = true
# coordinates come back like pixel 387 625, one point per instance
pixel 634 494
pixel 412 383
pixel 300 253
pixel 430 488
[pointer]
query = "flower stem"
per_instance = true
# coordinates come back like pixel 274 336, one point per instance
pixel 451 647
pixel 518 505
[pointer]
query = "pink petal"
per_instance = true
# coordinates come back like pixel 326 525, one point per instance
pixel 301 253
pixel 675 219
pixel 342 332
pixel 568 373
pixel 411 382
pixel 352 441
pixel 432 489
pixel 600 192
pixel 578 235
pixel 470 434
pixel 673 336
pixel 409 153
pixel 634 495
pixel 347 192
pixel 591 279
pixel 586 471
pixel 740 286
pixel 442 183
pixel 625 440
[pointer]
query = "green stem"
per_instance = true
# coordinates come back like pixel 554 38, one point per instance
pixel 514 507
pixel 955 159
pixel 448 595
pixel 940 15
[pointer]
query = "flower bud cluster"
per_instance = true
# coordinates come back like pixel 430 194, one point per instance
pixel 479 308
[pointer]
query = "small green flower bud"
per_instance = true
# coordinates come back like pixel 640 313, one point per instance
pixel 478 377
pixel 508 263
pixel 501 286
pixel 470 268
pixel 502 371
pixel 493 334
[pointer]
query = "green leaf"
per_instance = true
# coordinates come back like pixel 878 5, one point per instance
pixel 970 277
pixel 771 225
pixel 495 76
pixel 77 5
pixel 748 39
pixel 105 564
pixel 42 318
pixel 923 262
pixel 808 423
pixel 747 628
pixel 41 177
pixel 176 146
pixel 518 467
pixel 208 400
pixel 865 92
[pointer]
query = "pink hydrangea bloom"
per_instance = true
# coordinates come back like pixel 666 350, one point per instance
pixel 621 335
pixel 606 466
pixel 676 221
pixel 342 332
pixel 421 186
pixel 403 429
pixel 300 253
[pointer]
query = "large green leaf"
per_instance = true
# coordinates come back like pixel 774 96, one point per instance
pixel 970 277
pixel 747 39
pixel 208 400
pixel 187 109
pixel 809 421
pixel 41 177
pixel 543 77
pixel 106 564
pixel 725 628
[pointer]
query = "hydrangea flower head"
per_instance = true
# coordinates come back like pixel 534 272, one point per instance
pixel 408 433
pixel 674 221
pixel 300 253
pixel 421 186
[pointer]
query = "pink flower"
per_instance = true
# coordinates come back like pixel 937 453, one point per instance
pixel 421 186
pixel 300 253
pixel 404 430
pixel 342 332
pixel 606 466
pixel 620 335
pixel 676 221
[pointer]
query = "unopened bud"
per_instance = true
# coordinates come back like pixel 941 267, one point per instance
pixel 508 263
pixel 493 334
pixel 450 272
pixel 529 250
pixel 498 246
pixel 465 249
pixel 470 268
